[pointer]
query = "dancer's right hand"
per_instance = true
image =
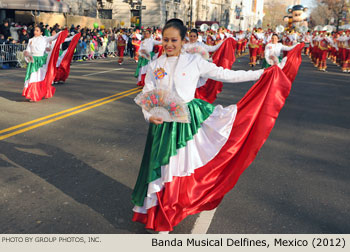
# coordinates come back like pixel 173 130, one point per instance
pixel 156 120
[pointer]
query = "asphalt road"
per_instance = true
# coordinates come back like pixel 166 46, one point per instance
pixel 75 174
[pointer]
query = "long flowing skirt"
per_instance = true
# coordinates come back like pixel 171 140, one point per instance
pixel 35 88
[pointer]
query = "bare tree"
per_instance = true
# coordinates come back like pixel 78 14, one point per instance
pixel 274 10
pixel 320 15
pixel 333 10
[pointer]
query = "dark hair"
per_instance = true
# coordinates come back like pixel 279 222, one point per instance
pixel 194 31
pixel 177 24
pixel 40 27
pixel 56 30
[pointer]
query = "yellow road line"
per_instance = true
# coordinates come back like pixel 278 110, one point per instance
pixel 65 111
pixel 64 116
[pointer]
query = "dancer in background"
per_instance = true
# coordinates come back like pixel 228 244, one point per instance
pixel 253 48
pixel 194 44
pixel 273 52
pixel 64 60
pixel 146 54
pixel 122 41
pixel 136 42
pixel 41 69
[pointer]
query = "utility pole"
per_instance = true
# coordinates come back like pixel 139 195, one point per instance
pixel 191 3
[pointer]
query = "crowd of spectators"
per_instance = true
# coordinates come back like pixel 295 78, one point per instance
pixel 94 43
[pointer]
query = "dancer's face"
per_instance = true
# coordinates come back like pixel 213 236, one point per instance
pixel 274 39
pixel 172 42
pixel 37 32
pixel 147 34
pixel 193 37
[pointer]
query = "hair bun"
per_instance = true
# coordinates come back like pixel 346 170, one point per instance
pixel 175 20
pixel 177 24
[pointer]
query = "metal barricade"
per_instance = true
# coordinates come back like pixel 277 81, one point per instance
pixel 12 53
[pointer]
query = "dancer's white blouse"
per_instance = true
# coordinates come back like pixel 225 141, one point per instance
pixel 37 45
pixel 275 50
pixel 203 45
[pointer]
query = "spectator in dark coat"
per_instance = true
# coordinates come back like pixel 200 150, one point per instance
pixel 24 37
pixel 5 29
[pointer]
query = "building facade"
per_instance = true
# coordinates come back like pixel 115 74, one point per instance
pixel 245 14
pixel 82 7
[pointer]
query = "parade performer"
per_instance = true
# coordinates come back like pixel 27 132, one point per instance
pixel 189 167
pixel 122 41
pixel 158 49
pixel 333 54
pixel 260 53
pixel 64 60
pixel 253 48
pixel 315 49
pixel 289 39
pixel 146 54
pixel 210 38
pixel 240 37
pixel 267 40
pixel 324 45
pixel 344 51
pixel 273 52
pixel 195 45
pixel 136 42
pixel 306 38
pixel 41 69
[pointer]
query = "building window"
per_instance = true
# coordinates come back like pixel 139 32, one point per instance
pixel 105 14
pixel 175 15
pixel 166 16
pixel 86 13
pixel 177 1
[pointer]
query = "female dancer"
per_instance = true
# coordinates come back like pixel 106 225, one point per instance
pixel 146 54
pixel 273 51
pixel 189 167
pixel 41 68
pixel 195 44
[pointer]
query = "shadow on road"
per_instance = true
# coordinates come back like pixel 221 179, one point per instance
pixel 76 179
pixel 17 97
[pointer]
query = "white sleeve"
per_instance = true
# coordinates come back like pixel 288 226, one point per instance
pixel 288 48
pixel 52 38
pixel 211 48
pixel 150 84
pixel 211 71
pixel 69 39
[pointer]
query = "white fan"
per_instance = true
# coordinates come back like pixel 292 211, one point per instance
pixel 214 27
pixel 204 27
